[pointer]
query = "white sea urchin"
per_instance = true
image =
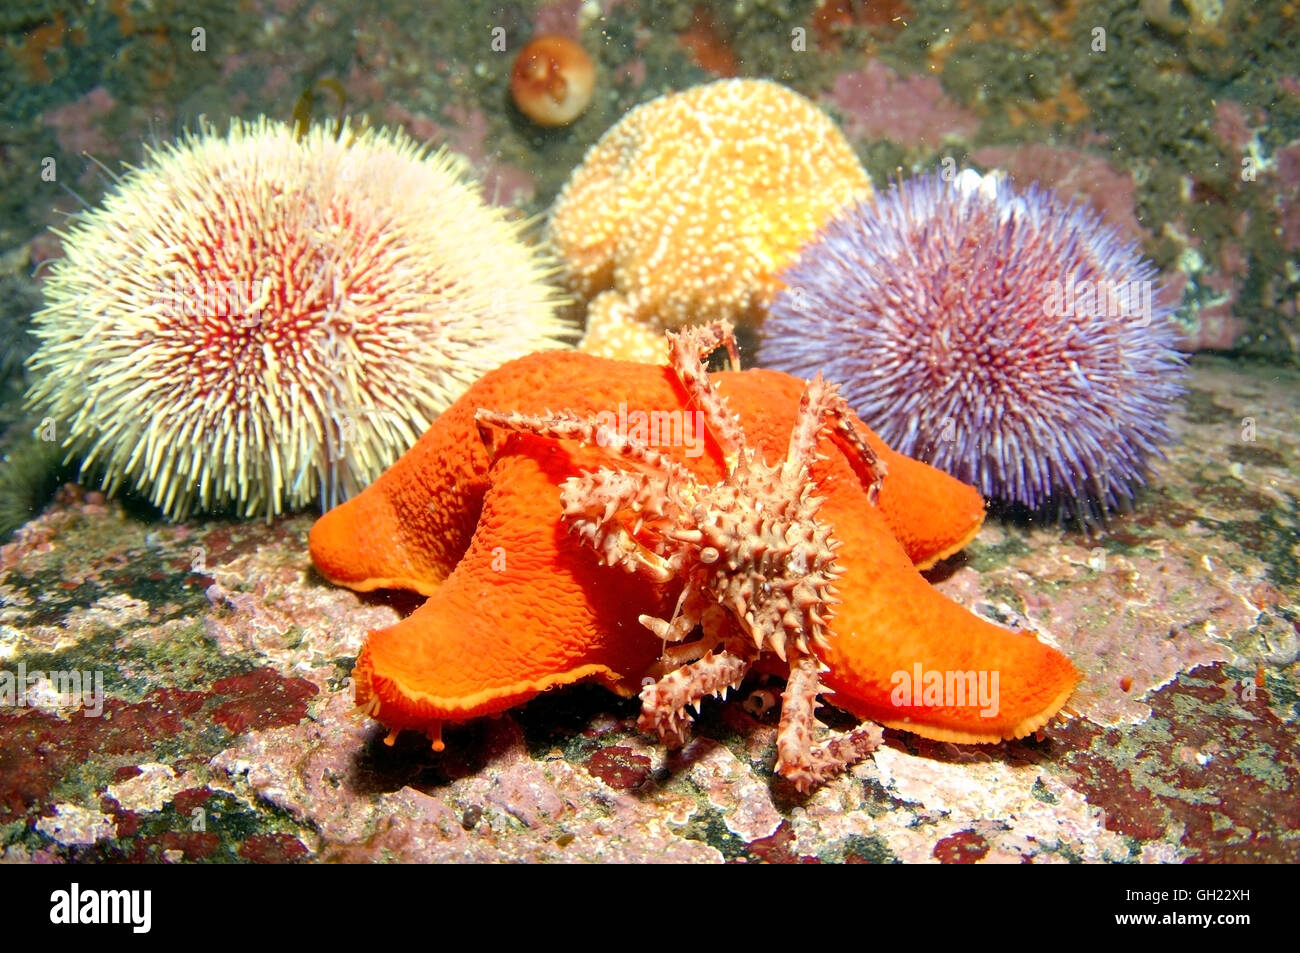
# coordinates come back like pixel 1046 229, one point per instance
pixel 263 319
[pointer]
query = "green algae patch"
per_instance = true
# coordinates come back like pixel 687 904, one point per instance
pixel 986 557
pixel 867 850
pixel 709 827
pixel 1200 407
pixel 1041 792
pixel 1271 537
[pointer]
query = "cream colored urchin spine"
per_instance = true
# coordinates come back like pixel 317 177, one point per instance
pixel 261 320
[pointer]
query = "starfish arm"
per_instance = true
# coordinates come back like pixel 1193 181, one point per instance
pixel 893 636
pixel 527 609
pixel 931 514
pixel 409 528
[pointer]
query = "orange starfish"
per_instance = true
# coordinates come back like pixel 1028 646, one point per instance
pixel 523 605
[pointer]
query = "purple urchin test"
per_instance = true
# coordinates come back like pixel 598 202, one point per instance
pixel 1005 336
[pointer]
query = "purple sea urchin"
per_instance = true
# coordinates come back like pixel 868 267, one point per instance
pixel 262 319
pixel 1006 337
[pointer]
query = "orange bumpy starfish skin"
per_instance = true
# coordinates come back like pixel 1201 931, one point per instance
pixel 413 525
pixel 753 555
pixel 524 605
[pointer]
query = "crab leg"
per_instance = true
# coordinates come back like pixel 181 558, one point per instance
pixel 687 351
pixel 822 405
pixel 566 425
pixel 613 542
pixel 797 758
pixel 702 340
pixel 609 493
pixel 691 608
pixel 664 703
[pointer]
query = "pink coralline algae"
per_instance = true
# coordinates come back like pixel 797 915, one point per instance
pixel 1231 124
pixel 1288 195
pixel 78 125
pixel 1072 174
pixel 877 103
pixel 559 17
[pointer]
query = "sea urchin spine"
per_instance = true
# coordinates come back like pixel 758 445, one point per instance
pixel 1006 337
pixel 262 319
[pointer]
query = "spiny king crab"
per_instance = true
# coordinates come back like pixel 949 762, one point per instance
pixel 758 569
